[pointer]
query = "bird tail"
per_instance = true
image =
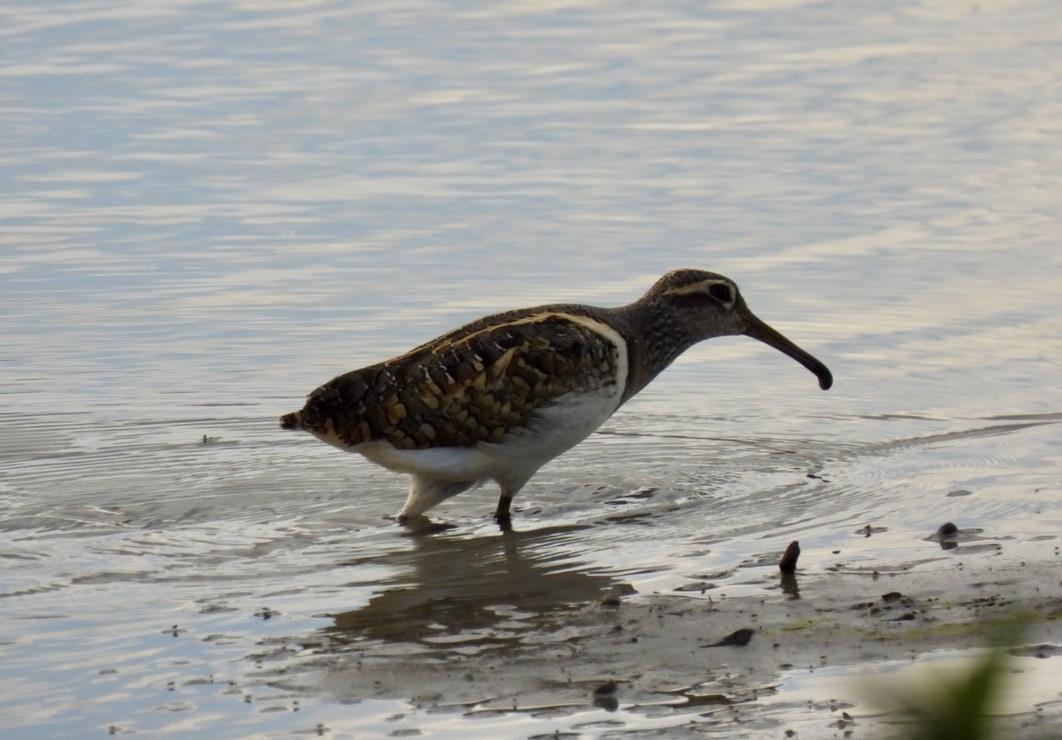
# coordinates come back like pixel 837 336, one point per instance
pixel 291 421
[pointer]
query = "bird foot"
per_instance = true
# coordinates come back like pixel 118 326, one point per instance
pixel 505 522
pixel 420 524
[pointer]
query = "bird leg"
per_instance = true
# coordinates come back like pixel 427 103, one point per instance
pixel 501 514
pixel 425 492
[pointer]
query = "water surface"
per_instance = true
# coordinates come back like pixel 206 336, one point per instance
pixel 208 211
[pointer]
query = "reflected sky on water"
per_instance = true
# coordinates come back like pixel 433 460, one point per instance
pixel 207 211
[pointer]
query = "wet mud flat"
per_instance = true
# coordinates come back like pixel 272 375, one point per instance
pixel 804 655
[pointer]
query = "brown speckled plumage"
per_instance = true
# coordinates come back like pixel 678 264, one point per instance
pixel 501 396
pixel 470 386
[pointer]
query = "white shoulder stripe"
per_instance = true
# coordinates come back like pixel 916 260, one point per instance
pixel 612 336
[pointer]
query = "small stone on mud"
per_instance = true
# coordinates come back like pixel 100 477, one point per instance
pixel 614 595
pixel 738 638
pixel 947 529
pixel 608 703
pixel 605 696
pixel 605 689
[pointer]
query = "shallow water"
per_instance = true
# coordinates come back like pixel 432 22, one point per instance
pixel 209 211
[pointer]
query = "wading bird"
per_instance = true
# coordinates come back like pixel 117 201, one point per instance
pixel 500 397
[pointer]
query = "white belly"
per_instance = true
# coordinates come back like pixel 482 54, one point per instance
pixel 554 429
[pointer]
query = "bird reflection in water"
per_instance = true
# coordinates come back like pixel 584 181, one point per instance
pixel 473 590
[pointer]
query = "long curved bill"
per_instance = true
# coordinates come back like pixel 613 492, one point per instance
pixel 757 329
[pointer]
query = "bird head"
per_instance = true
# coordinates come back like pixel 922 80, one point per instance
pixel 705 305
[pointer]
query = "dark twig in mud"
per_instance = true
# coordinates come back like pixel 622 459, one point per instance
pixel 788 563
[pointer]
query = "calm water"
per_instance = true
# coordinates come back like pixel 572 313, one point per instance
pixel 206 211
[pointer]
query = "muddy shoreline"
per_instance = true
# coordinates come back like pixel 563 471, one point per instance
pixel 706 662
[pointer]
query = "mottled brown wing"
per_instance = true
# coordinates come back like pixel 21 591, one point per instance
pixel 472 385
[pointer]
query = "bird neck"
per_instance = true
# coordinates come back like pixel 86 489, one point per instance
pixel 655 337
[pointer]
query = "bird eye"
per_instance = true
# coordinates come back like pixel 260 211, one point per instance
pixel 720 292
